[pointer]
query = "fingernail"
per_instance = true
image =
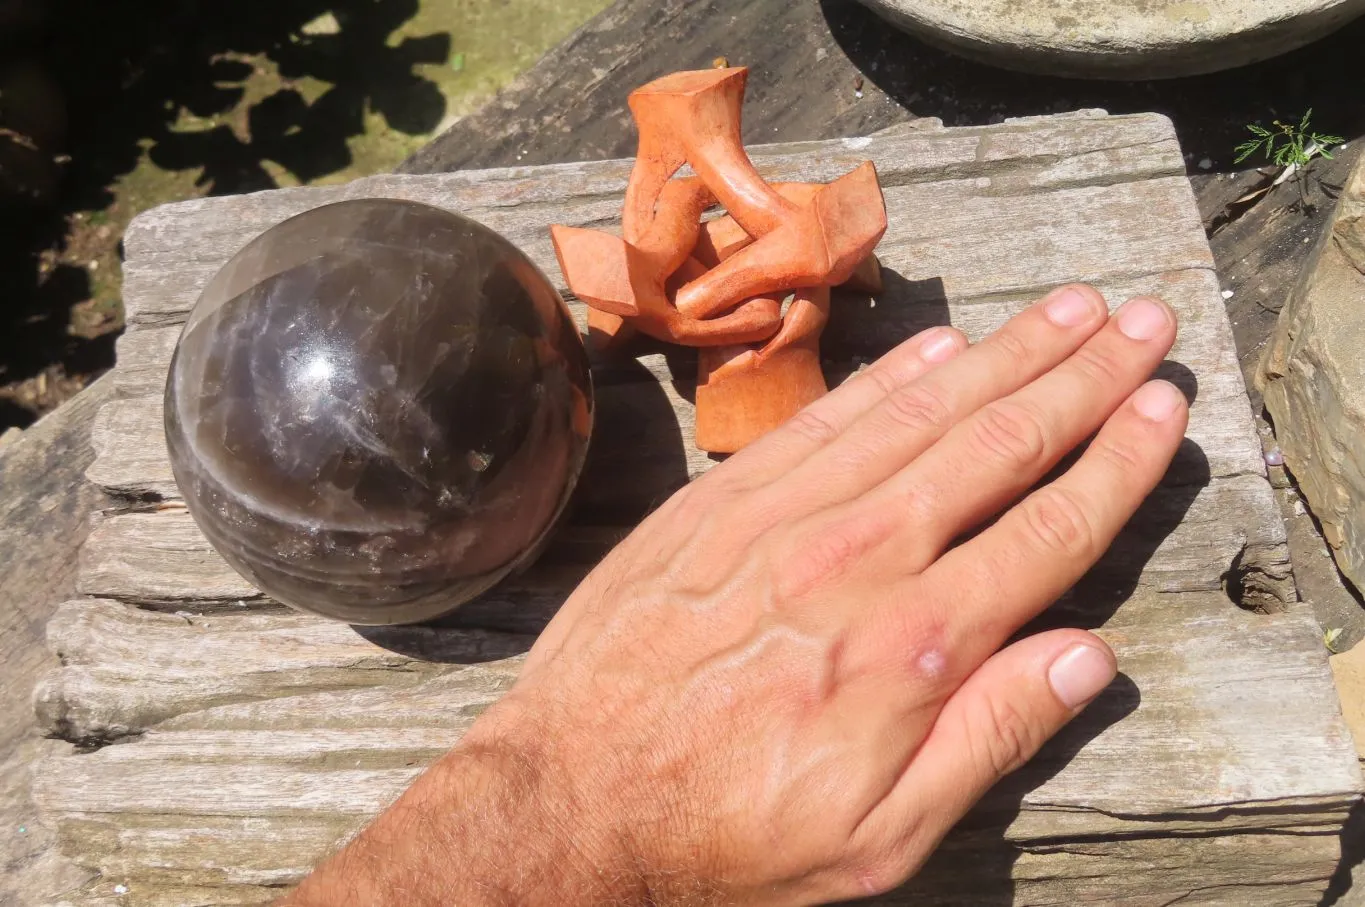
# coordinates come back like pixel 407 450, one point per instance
pixel 940 346
pixel 1142 319
pixel 1080 674
pixel 1071 308
pixel 1158 400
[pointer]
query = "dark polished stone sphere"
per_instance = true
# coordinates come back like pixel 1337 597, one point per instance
pixel 378 410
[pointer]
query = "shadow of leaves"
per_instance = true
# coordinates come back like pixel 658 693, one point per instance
pixel 243 96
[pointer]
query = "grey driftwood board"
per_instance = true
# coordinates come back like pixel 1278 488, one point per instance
pixel 222 744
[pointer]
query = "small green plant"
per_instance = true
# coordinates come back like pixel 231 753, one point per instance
pixel 1332 638
pixel 1289 145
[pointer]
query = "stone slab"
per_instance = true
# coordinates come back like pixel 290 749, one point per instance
pixel 1120 39
pixel 1313 379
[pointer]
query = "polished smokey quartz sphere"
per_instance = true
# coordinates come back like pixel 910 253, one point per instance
pixel 378 410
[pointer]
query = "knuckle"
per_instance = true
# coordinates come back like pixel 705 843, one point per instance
pixel 919 406
pixel 829 556
pixel 1121 458
pixel 1009 737
pixel 810 425
pixel 1098 363
pixel 818 559
pixel 881 871
pixel 1012 348
pixel 886 380
pixel 1057 524
pixel 1010 433
pixel 695 503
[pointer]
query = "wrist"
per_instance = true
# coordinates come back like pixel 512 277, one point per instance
pixel 492 823
pixel 538 842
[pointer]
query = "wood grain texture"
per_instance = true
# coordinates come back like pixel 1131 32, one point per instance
pixel 132 458
pixel 962 174
pixel 45 505
pixel 245 747
pixel 1182 540
pixel 252 739
pixel 44 515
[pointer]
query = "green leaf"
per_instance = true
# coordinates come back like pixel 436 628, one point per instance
pixel 1246 150
pixel 1288 145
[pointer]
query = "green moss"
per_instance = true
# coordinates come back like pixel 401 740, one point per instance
pixel 494 42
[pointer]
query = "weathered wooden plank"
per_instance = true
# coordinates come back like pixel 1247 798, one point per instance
pixel 246 852
pixel 161 560
pixel 1279 868
pixel 242 788
pixel 144 360
pixel 1183 540
pixel 132 459
pixel 1291 868
pixel 274 781
pixel 179 777
pixel 129 438
pixel 1093 234
pixel 644 430
pixel 125 670
pixel 292 680
pixel 44 511
pixel 180 647
pixel 217 850
pixel 860 327
pixel 1046 153
pixel 1036 240
pixel 45 504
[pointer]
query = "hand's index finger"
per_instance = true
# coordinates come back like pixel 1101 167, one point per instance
pixel 824 420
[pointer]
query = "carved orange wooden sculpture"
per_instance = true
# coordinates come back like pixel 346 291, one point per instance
pixel 720 285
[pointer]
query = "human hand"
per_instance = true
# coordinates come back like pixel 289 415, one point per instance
pixel 786 685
